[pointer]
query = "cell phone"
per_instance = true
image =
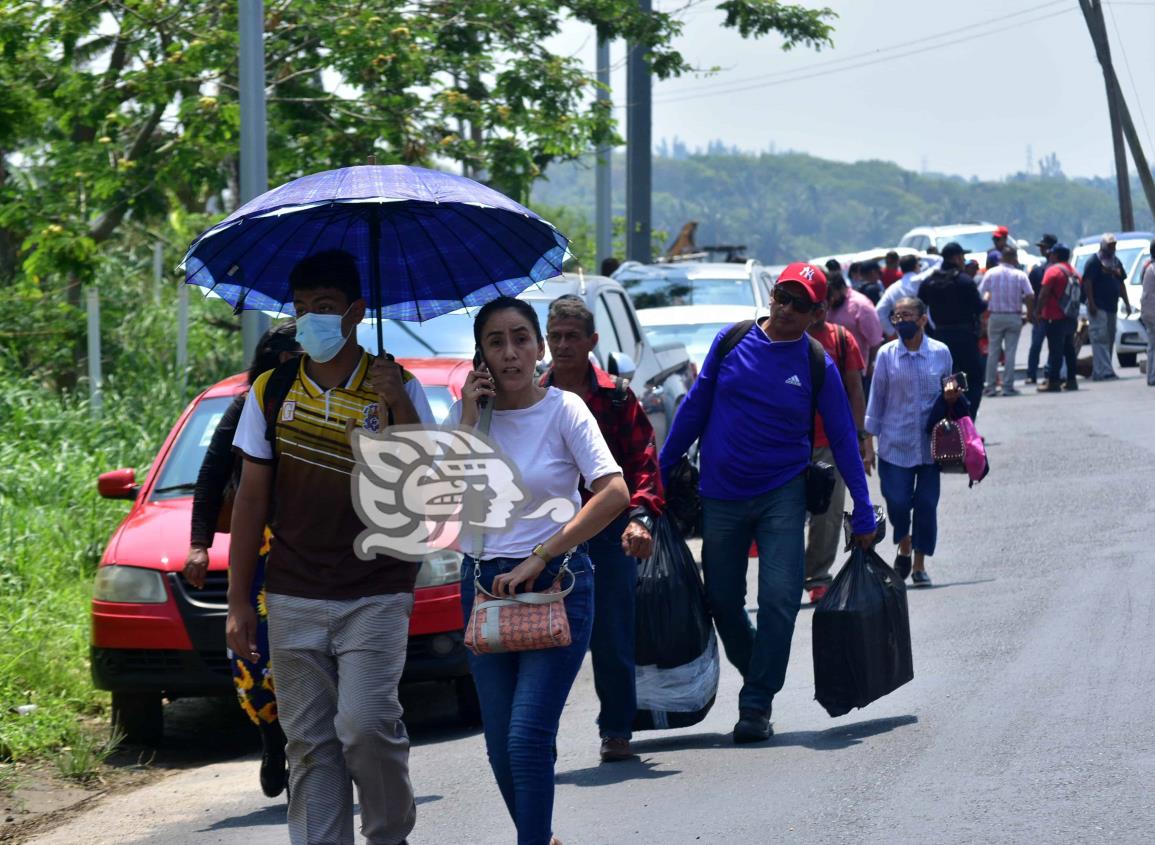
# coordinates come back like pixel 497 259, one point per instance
pixel 479 364
pixel 960 379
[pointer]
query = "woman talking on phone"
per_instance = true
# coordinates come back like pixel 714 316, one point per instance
pixel 911 374
pixel 553 441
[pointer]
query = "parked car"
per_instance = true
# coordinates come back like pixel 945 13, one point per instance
pixel 974 237
pixel 1132 334
pixel 697 283
pixel 660 373
pixel 1130 247
pixel 154 637
pixel 695 326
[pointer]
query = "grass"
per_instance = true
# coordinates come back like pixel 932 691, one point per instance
pixel 54 527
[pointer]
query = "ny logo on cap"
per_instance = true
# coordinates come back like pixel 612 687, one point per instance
pixel 808 272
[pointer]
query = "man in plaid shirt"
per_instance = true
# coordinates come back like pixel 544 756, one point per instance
pixel 571 337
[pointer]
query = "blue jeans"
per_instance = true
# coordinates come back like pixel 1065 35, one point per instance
pixel 912 489
pixel 522 695
pixel 1038 335
pixel 612 642
pixel 777 521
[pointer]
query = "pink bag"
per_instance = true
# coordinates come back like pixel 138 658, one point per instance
pixel 975 454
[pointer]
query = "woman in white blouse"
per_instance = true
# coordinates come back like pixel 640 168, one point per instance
pixel 554 442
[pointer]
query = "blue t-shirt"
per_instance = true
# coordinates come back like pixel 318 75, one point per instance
pixel 1104 284
pixel 751 413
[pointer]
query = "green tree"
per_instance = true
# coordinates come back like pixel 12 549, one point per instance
pixel 117 114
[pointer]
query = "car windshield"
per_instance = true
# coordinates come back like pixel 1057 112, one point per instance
pixel 440 401
pixel 660 292
pixel 447 336
pixel 178 476
pixel 1136 277
pixel 1127 256
pixel 972 242
pixel 697 338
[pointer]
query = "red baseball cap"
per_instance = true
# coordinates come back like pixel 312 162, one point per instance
pixel 807 275
pixel 1001 232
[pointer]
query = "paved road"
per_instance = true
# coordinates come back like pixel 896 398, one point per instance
pixel 1029 719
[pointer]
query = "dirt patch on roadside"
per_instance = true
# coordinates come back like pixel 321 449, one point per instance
pixel 197 732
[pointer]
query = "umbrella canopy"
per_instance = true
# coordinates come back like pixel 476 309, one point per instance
pixel 426 242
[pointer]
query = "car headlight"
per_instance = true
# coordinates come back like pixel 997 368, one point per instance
pixel 129 585
pixel 439 569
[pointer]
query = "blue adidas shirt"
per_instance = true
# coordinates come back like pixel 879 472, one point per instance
pixel 752 417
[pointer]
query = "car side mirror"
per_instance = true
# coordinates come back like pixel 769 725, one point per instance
pixel 621 364
pixel 118 484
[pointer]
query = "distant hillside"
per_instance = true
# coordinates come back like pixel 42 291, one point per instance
pixel 790 206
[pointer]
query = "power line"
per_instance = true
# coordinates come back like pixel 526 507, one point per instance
pixel 1130 76
pixel 949 36
pixel 773 82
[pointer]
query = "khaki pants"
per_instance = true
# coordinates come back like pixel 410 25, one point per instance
pixel 337 665
pixel 824 536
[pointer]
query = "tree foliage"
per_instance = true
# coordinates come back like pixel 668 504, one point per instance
pixel 119 116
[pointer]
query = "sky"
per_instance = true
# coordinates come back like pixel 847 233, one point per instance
pixel 944 86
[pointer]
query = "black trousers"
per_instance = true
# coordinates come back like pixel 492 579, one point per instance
pixel 1060 345
pixel 963 344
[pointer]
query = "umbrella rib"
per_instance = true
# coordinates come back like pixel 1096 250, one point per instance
pixel 273 253
pixel 448 270
pixel 408 269
pixel 498 219
pixel 498 242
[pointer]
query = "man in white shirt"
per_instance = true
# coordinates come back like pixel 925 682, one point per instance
pixel 907 285
pixel 1006 289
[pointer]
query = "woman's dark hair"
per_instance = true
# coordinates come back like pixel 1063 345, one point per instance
pixel 280 338
pixel 503 303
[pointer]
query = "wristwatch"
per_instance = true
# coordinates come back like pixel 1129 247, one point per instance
pixel 539 551
pixel 863 435
pixel 644 520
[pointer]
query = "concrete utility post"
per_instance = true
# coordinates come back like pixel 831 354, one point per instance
pixel 254 149
pixel 639 140
pixel 603 175
pixel 1093 14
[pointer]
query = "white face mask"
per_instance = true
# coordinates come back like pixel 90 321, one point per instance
pixel 320 335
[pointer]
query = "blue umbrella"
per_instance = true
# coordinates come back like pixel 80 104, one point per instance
pixel 426 242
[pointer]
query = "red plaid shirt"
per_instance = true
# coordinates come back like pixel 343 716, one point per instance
pixel 629 435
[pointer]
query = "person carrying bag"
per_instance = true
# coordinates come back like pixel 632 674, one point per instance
pixel 522 662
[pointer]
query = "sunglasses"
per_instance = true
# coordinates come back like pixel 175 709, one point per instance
pixel 799 303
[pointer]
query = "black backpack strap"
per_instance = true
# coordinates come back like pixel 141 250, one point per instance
pixel 817 380
pixel 276 389
pixel 733 337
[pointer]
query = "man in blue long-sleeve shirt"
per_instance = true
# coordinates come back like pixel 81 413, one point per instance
pixel 751 411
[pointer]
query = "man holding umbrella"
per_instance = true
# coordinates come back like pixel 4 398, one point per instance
pixel 338 625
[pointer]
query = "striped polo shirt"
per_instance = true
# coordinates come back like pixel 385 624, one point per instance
pixel 1007 287
pixel 314 523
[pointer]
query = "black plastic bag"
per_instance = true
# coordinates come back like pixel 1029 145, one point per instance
pixel 684 499
pixel 673 625
pixel 676 653
pixel 861 635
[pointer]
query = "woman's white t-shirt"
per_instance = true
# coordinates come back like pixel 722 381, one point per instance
pixel 552 445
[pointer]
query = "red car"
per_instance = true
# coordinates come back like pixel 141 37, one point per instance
pixel 154 637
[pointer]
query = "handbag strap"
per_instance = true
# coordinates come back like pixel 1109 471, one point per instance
pixel 485 420
pixel 529 598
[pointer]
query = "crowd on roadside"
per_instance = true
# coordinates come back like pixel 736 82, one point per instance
pixel 851 371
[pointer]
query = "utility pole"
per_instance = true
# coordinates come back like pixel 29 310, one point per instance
pixel 639 162
pixel 1093 14
pixel 254 145
pixel 603 175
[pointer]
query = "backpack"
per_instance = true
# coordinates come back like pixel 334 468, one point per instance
pixel 736 332
pixel 1072 296
pixel 820 476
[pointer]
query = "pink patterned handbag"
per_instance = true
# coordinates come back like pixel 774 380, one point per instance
pixel 523 622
